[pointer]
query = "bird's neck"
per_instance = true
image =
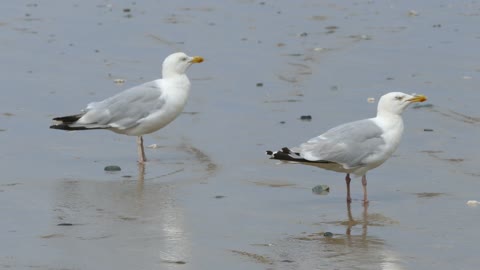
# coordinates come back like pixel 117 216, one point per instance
pixel 388 117
pixel 175 78
pixel 170 73
pixel 178 84
pixel 392 124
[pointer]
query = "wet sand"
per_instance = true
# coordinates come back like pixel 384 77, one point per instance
pixel 209 198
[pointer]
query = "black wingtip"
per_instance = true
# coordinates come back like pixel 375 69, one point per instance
pixel 68 119
pixel 69 128
pixel 286 154
pixel 59 126
pixel 65 127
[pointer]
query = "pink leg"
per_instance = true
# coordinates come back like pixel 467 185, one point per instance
pixel 364 185
pixel 141 151
pixel 347 181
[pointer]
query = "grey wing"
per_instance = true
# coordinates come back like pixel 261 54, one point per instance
pixel 125 109
pixel 348 144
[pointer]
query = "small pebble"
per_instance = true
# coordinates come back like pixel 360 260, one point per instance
pixel 427 129
pixel 219 197
pixel 282 122
pixel 365 37
pixel 321 189
pixel 174 262
pixel 64 224
pixel 153 146
pixel 126 10
pixel 119 81
pixel 306 117
pixel 327 234
pixel 371 100
pixel 412 13
pixel 112 168
pixel 473 203
pixel 303 34
pixel 259 84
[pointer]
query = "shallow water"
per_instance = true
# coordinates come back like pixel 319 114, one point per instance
pixel 209 198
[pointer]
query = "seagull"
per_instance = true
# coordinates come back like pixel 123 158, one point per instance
pixel 355 147
pixel 139 110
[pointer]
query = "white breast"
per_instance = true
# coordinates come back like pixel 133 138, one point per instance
pixel 392 127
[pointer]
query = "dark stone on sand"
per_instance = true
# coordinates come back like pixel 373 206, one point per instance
pixel 321 189
pixel 427 129
pixel 327 234
pixel 64 224
pixel 306 117
pixel 174 262
pixel 112 168
pixel 126 10
pixel 219 197
pixel 259 84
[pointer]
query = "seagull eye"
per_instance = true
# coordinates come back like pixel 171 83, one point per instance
pixel 398 97
pixel 184 59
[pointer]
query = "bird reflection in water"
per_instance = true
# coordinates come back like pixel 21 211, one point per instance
pixel 354 248
pixel 135 219
pixel 141 179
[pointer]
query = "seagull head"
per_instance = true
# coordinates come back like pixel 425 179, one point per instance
pixel 178 63
pixel 397 102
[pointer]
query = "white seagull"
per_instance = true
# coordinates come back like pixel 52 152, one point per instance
pixel 356 147
pixel 139 110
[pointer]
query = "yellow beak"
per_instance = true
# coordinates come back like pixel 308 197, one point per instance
pixel 196 59
pixel 418 98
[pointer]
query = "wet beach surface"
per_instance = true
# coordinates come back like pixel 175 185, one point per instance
pixel 209 198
